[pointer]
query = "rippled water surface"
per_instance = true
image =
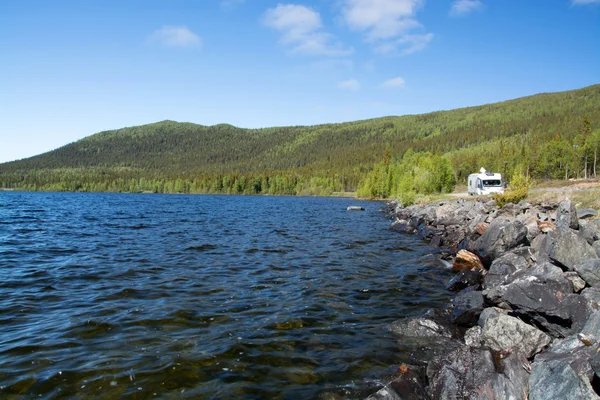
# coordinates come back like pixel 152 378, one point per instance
pixel 217 297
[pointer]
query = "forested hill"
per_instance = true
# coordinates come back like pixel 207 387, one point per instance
pixel 223 158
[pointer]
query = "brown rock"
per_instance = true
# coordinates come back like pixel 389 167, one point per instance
pixel 546 226
pixel 467 260
pixel 481 227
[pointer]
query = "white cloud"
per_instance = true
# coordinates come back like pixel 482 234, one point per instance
pixel 302 30
pixel 388 24
pixel 462 7
pixel 580 2
pixel 175 36
pixel 350 84
pixel 398 82
pixel 405 45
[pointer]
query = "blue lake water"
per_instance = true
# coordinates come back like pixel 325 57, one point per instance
pixel 217 297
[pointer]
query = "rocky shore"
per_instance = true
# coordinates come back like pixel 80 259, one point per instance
pixel 525 321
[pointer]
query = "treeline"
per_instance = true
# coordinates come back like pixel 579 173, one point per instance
pixel 539 135
pixel 102 181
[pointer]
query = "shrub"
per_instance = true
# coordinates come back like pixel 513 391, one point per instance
pixel 519 188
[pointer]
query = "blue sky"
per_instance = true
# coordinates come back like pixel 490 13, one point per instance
pixel 71 68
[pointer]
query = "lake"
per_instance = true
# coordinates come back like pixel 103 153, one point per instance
pixel 219 297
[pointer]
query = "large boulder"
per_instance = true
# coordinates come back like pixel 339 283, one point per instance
pixel 566 248
pixel 543 296
pixel 510 334
pixel 502 267
pixel 565 370
pixel 500 237
pixel 566 215
pixel 477 373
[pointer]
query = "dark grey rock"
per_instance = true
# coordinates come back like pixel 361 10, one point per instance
pixel 568 249
pixel 543 301
pixel 556 379
pixel 464 279
pixel 506 333
pixel 500 237
pixel 584 213
pixel 566 215
pixel 564 371
pixel 477 373
pixel 467 307
pixel 589 270
pixel 589 231
pixel 503 266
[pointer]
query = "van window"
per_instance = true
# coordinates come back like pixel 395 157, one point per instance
pixel 492 183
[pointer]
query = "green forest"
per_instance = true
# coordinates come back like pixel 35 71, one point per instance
pixel 545 136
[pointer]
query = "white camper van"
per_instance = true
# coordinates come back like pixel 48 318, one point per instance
pixel 485 183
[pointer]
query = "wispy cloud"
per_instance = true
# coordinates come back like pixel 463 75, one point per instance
pixel 302 31
pixel 397 82
pixel 350 84
pixel 583 2
pixel 175 36
pixel 463 7
pixel 405 45
pixel 388 24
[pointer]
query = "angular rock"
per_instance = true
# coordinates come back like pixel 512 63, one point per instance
pixel 490 312
pixel 589 231
pixel 477 373
pixel 568 249
pixel 506 333
pixel 467 308
pixel 566 215
pixel 578 283
pixel 464 279
pixel 564 371
pixel 584 213
pixel 500 237
pixel 543 301
pixel 502 267
pixel 556 379
pixel 590 271
pixel 465 260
